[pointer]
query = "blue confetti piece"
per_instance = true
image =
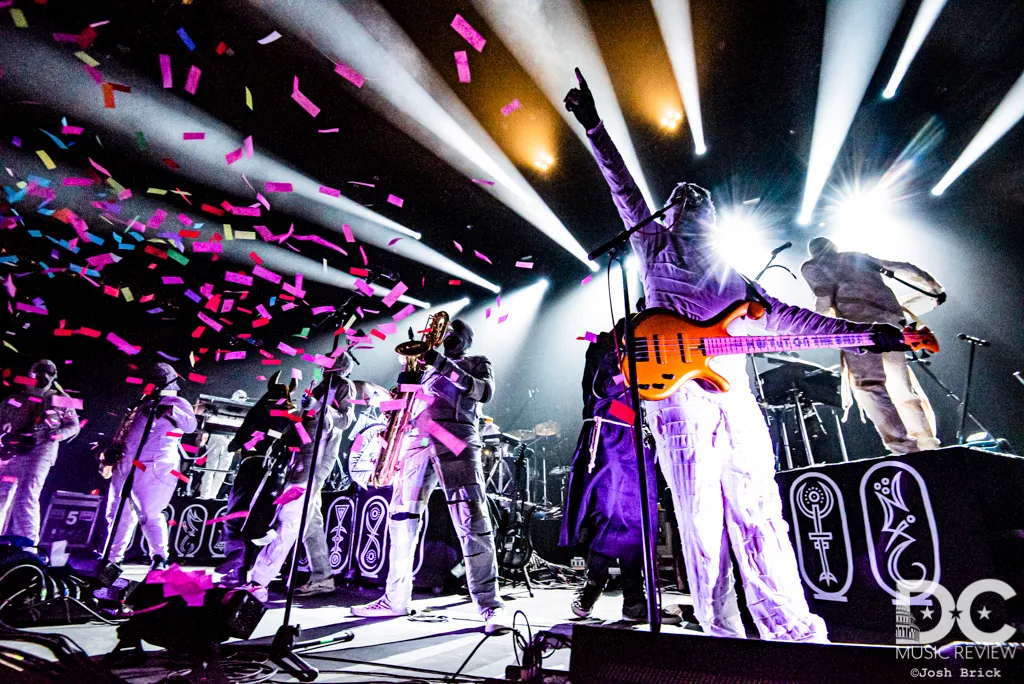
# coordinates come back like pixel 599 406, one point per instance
pixel 60 143
pixel 35 233
pixel 272 300
pixel 45 212
pixel 96 240
pixel 154 311
pixel 92 272
pixel 185 39
pixel 117 238
pixel 193 296
pixel 125 245
pixel 13 196
pixel 39 180
pixel 75 268
pixel 168 356
pixel 138 236
pixel 46 268
pixel 13 259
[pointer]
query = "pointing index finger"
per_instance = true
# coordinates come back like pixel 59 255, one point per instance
pixel 579 78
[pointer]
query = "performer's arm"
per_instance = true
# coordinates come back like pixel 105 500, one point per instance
pixel 796 320
pixel 912 274
pixel 68 428
pixel 823 287
pixel 478 386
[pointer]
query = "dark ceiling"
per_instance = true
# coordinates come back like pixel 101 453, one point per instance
pixel 758 74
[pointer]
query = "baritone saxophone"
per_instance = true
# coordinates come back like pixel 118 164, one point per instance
pixel 388 462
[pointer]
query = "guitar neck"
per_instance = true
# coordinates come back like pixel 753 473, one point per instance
pixel 720 346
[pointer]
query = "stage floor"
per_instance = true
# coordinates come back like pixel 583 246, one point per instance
pixel 438 638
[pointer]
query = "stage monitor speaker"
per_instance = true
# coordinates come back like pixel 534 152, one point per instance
pixel 606 655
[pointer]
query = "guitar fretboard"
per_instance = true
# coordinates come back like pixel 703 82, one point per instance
pixel 718 346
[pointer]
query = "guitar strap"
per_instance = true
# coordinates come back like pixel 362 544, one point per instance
pixel 755 294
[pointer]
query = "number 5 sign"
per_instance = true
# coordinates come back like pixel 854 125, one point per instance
pixel 959 611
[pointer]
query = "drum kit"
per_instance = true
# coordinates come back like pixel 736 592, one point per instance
pixel 499 454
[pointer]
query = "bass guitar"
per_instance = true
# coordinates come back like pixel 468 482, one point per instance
pixel 671 349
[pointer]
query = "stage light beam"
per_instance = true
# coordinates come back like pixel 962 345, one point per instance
pixel 927 13
pixel 856 32
pixel 1006 115
pixel 677 33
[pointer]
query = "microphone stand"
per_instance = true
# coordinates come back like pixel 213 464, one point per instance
pixel 617 248
pixel 975 343
pixel 283 647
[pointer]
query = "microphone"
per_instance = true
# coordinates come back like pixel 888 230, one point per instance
pixel 782 248
pixel 973 340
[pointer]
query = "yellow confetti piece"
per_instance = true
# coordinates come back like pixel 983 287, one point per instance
pixel 128 296
pixel 19 20
pixel 245 235
pixel 118 188
pixel 84 56
pixel 156 191
pixel 47 162
pixel 248 98
pixel 11 347
pixel 228 233
pixel 21 185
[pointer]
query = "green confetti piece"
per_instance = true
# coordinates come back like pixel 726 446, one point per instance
pixel 178 256
pixel 303 333
pixel 248 98
pixel 140 138
pixel 318 374
pixel 425 442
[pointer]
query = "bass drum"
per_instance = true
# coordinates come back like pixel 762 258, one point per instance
pixel 366 449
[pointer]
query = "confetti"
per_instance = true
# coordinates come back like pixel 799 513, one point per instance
pixel 304 101
pixel 248 98
pixel 397 291
pixel 471 35
pixel 462 64
pixel 193 136
pixel 185 39
pixel 349 74
pixel 19 18
pixel 47 162
pixel 510 107
pixel 450 441
pixel 330 191
pixel 524 264
pixel 295 491
pixel 622 412
pixel 233 156
pixel 482 182
pixel 482 257
pixel 267 40
pixel 278 187
pixel 396 200
pixel 165 71
pixel 192 82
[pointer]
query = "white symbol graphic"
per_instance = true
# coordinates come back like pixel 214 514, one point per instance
pixel 217 535
pixel 813 497
pixel 897 532
pixel 339 534
pixel 190 530
pixel 373 535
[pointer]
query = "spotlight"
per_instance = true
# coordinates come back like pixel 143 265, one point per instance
pixel 671 121
pixel 739 238
pixel 545 283
pixel 544 162
pixel 632 264
pixel 927 13
pixel 677 32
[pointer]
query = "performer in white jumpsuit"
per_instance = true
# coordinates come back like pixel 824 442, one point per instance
pixel 850 285
pixel 33 426
pixel 456 385
pixel 154 484
pixel 218 456
pixel 714 448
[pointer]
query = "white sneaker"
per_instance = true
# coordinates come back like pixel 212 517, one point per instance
pixel 257 590
pixel 497 620
pixel 378 609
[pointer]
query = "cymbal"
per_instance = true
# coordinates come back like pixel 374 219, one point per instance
pixel 368 390
pixel 522 435
pixel 560 470
pixel 548 428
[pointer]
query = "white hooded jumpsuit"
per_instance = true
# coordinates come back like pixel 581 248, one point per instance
pixel 714 448
pixel 153 487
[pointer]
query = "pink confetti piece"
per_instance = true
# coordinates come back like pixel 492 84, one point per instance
pixel 503 319
pixel 209 321
pixel 233 156
pixel 482 256
pixel 299 428
pixel 263 201
pixel 192 82
pixel 238 278
pixel 99 168
pixel 173 280
pixel 368 185
pixel 586 280
pixel 471 35
pixel 322 309
pixel 324 190
pixel 510 107
pixel 261 272
pixel 590 337
pixel 397 291
pixel 71 130
pixel 225 518
pixel 304 101
pixel 78 181
pixel 286 349
pixel 346 230
pixel 393 241
pixel 487 312
pixel 156 219
pixel 269 38
pixel 524 264
pixel 462 64
pixel 392 405
pixel 193 136
pixel 396 200
pixel 404 313
pixel 247 146
pixel 328 130
pixel 278 187
pixel 292 493
pixel 362 253
pixel 482 182
pixel 165 71
pixel 453 443
pixel 245 211
pixel 349 74
pixel 363 287
pixel 207 247
pixel 457 245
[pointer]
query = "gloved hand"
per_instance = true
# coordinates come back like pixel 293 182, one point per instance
pixel 941 299
pixel 433 358
pixel 888 338
pixel 580 101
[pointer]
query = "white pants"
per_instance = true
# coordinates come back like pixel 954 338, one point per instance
pixel 421 471
pixel 716 454
pixel 217 458
pixel 151 492
pixel 21 507
pixel 886 389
